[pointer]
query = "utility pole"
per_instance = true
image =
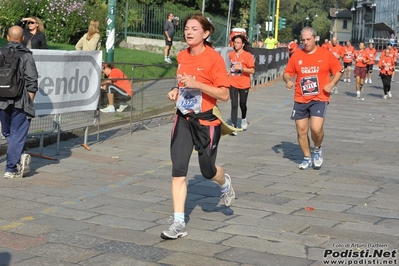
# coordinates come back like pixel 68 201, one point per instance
pixel 269 6
pixel 109 45
pixel 251 20
pixel 277 20
pixel 231 4
pixel 273 14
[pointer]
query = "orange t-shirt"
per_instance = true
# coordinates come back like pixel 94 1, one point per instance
pixel 372 54
pixel 393 53
pixel 238 78
pixel 336 50
pixel 292 47
pixel 347 53
pixel 208 68
pixel 313 74
pixel 386 65
pixel 360 57
pixel 124 84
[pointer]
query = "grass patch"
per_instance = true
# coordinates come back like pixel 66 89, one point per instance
pixel 127 57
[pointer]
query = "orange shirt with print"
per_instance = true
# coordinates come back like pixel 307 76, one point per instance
pixel 386 65
pixel 292 47
pixel 393 53
pixel 372 54
pixel 336 50
pixel 347 53
pixel 312 74
pixel 240 79
pixel 361 58
pixel 121 80
pixel 208 68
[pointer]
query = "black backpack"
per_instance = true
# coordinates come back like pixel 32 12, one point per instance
pixel 11 81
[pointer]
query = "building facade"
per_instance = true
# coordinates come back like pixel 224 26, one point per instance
pixel 341 25
pixel 376 21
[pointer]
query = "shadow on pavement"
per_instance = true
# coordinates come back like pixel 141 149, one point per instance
pixel 205 194
pixel 290 151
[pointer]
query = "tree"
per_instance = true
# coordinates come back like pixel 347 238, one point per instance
pixel 296 12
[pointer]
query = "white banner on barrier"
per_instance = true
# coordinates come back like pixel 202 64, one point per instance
pixel 69 81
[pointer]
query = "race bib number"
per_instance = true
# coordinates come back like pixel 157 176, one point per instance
pixel 234 71
pixel 309 85
pixel 189 100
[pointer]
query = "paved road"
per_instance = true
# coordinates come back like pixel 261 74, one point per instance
pixel 108 206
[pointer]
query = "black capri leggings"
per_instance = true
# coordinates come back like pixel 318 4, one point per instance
pixel 234 92
pixel 182 145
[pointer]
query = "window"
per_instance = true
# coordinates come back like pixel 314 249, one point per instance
pixel 345 24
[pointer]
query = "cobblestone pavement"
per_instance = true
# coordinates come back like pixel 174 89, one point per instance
pixel 108 206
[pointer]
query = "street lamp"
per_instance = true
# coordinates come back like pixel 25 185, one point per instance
pixel 373 6
pixel 353 9
pixel 307 19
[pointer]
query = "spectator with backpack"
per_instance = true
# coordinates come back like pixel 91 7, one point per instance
pixel 34 37
pixel 18 86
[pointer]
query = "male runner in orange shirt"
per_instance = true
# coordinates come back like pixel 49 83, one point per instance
pixel 347 57
pixel 372 54
pixel 393 52
pixel 361 58
pixel 312 67
pixel 336 49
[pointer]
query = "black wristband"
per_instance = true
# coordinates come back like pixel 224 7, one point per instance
pixel 173 88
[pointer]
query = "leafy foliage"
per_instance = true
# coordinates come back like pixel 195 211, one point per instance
pixel 296 11
pixel 62 19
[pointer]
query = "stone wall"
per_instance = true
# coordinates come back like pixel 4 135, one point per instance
pixel 152 45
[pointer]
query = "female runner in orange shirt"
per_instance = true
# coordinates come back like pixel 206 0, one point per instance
pixel 202 80
pixel 242 65
pixel 387 67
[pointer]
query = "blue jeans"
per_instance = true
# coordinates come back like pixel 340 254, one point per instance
pixel 14 127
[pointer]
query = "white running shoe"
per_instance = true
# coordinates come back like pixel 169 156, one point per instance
pixel 385 97
pixel 317 158
pixel 228 196
pixel 176 229
pixel 389 94
pixel 108 109
pixel 370 81
pixel 244 124
pixel 349 80
pixel 344 79
pixel 9 175
pixel 306 163
pixel 122 107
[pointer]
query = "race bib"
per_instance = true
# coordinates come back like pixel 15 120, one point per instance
pixel 309 85
pixel 234 71
pixel 189 100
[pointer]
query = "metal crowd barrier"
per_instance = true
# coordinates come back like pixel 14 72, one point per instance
pixel 149 100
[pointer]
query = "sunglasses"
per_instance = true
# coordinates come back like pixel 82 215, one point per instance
pixel 31 22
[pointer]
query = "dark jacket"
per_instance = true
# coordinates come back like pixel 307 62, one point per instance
pixel 28 68
pixel 38 41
